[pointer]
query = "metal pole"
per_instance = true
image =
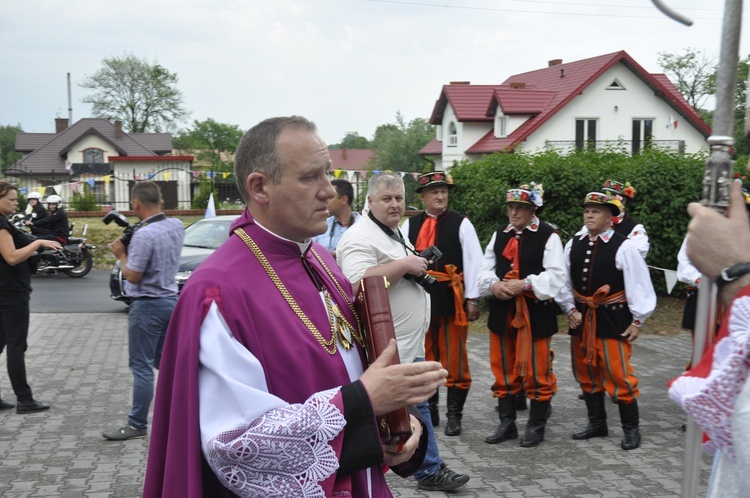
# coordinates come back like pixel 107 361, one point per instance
pixel 716 181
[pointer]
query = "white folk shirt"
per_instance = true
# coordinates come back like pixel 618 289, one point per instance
pixel 547 284
pixel 639 291
pixel 471 252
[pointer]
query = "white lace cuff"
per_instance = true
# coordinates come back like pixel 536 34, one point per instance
pixel 285 452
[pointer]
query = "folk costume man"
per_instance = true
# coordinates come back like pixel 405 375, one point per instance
pixel 623 223
pixel 522 271
pixel 608 296
pixel 342 216
pixel 376 247
pixel 455 295
pixel 263 389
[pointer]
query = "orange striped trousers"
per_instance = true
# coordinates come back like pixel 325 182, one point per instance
pixel 613 372
pixel 446 342
pixel 540 383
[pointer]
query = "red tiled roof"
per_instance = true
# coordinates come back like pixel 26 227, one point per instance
pixel 469 102
pixel 350 159
pixel 433 147
pixel 546 91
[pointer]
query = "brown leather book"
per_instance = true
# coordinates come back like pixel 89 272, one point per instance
pixel 374 310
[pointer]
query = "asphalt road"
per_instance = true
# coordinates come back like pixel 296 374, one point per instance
pixel 62 294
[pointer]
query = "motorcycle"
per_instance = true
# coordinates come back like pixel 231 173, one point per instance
pixel 74 259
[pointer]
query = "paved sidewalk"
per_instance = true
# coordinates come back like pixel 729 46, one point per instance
pixel 78 363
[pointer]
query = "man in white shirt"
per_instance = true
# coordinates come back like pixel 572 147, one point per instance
pixel 376 247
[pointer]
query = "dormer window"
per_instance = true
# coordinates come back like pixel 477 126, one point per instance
pixel 615 85
pixel 93 156
pixel 501 126
pixel 452 135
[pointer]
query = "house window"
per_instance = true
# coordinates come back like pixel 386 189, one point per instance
pixel 585 134
pixel 501 126
pixel 643 134
pixel 92 156
pixel 452 135
pixel 615 85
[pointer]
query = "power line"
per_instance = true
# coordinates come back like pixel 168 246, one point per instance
pixel 517 11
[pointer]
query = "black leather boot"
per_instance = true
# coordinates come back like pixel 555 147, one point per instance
pixel 538 413
pixel 456 400
pixel 434 403
pixel 597 426
pixel 629 419
pixel 506 409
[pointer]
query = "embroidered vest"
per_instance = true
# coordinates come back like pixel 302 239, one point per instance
pixel 446 239
pixel 592 264
pixel 543 314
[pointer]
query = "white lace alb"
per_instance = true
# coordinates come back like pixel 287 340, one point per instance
pixel 711 401
pixel 285 452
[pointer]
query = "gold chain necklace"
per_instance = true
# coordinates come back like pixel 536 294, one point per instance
pixel 339 323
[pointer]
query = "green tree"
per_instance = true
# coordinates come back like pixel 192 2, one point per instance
pixel 693 74
pixel 742 144
pixel 8 154
pixel 352 140
pixel 213 142
pixel 142 95
pixel 396 146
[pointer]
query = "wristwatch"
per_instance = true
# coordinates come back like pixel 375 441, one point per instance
pixel 732 273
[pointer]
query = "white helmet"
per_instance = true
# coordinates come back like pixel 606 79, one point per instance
pixel 54 199
pixel 35 195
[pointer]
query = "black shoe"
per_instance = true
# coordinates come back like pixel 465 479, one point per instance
pixel 444 480
pixel 124 433
pixel 453 427
pixel 631 439
pixel 31 407
pixel 6 405
pixel 591 430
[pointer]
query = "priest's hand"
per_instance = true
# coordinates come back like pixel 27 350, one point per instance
pixel 394 386
pixel 393 457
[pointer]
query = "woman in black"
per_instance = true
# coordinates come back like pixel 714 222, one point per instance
pixel 15 291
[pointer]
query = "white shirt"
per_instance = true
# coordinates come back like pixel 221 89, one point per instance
pixel 546 284
pixel 471 252
pixel 639 291
pixel 686 272
pixel 363 246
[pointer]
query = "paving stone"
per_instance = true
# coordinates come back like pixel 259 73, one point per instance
pixel 82 372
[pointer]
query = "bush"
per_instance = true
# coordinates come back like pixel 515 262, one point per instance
pixel 665 183
pixel 84 200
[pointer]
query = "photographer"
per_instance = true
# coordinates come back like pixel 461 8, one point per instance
pixel 150 258
pixel 375 247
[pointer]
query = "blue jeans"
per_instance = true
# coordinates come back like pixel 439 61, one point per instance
pixel 147 327
pixel 432 460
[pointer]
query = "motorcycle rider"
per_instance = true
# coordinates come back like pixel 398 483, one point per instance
pixel 34 209
pixel 54 226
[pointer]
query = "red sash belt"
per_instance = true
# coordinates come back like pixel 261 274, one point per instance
pixel 600 297
pixel 522 322
pixel 457 284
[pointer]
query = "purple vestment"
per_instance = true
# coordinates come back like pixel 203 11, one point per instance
pixel 294 362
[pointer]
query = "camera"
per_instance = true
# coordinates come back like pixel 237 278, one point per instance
pixel 122 221
pixel 431 254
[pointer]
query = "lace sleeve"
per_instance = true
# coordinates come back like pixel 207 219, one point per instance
pixel 284 452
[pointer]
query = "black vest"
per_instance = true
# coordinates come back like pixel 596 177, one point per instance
pixel 543 314
pixel 626 225
pixel 592 265
pixel 446 239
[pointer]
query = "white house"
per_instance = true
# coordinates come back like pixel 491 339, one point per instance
pixel 98 153
pixel 604 101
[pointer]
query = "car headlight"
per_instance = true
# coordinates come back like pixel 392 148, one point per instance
pixel 182 276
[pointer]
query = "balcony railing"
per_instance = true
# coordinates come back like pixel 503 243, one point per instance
pixel 622 146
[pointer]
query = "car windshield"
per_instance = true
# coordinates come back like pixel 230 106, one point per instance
pixel 207 233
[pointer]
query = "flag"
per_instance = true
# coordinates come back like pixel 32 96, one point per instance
pixel 671 122
pixel 210 209
pixel 671 279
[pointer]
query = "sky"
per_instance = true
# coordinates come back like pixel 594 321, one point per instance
pixel 348 65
